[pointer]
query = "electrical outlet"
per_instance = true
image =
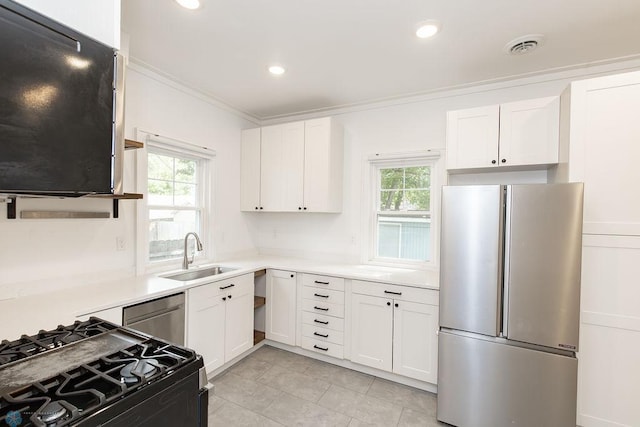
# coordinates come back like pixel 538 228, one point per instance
pixel 121 243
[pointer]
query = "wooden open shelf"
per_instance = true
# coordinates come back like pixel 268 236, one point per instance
pixel 258 302
pixel 257 336
pixel 130 144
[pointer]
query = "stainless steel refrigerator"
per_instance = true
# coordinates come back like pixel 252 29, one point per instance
pixel 509 305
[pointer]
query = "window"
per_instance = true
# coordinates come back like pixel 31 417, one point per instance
pixel 176 200
pixel 402 228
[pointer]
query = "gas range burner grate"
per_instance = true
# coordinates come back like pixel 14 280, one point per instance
pixel 69 396
pixel 26 346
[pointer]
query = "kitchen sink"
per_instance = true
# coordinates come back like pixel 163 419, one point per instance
pixel 200 273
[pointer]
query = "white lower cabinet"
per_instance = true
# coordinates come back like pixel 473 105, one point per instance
pixel 391 332
pixel 281 307
pixel 220 319
pixel 372 331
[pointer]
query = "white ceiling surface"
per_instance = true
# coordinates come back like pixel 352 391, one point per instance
pixel 348 52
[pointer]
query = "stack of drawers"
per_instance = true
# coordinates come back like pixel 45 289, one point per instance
pixel 323 314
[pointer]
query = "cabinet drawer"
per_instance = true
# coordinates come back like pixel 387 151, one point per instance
pixel 327 308
pixel 203 296
pixel 330 349
pixel 326 282
pixel 402 293
pixel 322 334
pixel 320 320
pixel 237 285
pixel 323 295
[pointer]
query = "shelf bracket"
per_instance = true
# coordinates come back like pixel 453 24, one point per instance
pixel 116 205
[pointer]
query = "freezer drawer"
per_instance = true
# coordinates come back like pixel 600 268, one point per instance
pixel 484 383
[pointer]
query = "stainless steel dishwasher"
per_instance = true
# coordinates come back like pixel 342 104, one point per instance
pixel 162 318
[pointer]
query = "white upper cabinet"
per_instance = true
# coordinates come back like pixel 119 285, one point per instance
pixel 472 137
pixel 323 165
pixel 293 167
pixel 522 134
pixel 250 170
pixel 601 135
pixel 281 170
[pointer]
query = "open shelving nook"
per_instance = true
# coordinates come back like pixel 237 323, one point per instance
pixel 12 200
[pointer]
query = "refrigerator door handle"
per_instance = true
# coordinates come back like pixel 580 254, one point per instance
pixel 505 268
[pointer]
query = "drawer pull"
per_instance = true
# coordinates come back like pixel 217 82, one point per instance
pixel 321 335
pixel 321 296
pixel 226 287
pixel 320 308
pixel 321 322
pixel 320 283
pixel 321 348
pixel 393 293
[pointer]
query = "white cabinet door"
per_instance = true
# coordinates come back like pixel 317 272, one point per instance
pixel 250 170
pixel 472 137
pixel 281 167
pixel 529 132
pixel 323 166
pixel 523 133
pixel 281 306
pixel 206 324
pixel 239 317
pixel 608 368
pixel 371 331
pixel 415 340
pixel 604 152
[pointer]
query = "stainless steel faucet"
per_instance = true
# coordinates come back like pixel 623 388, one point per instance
pixel 185 260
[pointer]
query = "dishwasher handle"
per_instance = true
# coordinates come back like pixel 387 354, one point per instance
pixel 149 309
pixel 132 321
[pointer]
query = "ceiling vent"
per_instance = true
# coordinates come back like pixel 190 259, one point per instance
pixel 524 44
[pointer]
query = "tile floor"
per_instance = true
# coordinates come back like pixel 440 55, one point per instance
pixel 273 387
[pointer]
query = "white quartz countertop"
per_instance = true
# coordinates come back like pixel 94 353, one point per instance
pixel 29 314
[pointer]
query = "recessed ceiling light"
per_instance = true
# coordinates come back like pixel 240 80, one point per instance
pixel 189 4
pixel 277 70
pixel 427 29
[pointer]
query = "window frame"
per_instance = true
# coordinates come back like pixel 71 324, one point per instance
pixel 402 160
pixel 205 195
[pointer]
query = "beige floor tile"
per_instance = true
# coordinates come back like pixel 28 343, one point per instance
pixel 251 367
pixel 245 392
pixel 295 383
pixel 234 415
pixel 293 411
pixel 404 396
pixel 411 418
pixel 368 409
pixel 337 375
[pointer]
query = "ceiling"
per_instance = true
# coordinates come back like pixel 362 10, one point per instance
pixel 347 52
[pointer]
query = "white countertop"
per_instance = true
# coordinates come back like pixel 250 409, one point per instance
pixel 61 307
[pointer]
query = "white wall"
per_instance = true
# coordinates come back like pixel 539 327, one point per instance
pixel 418 124
pixel 99 19
pixel 158 106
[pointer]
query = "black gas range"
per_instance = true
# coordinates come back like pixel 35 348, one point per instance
pixel 95 373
